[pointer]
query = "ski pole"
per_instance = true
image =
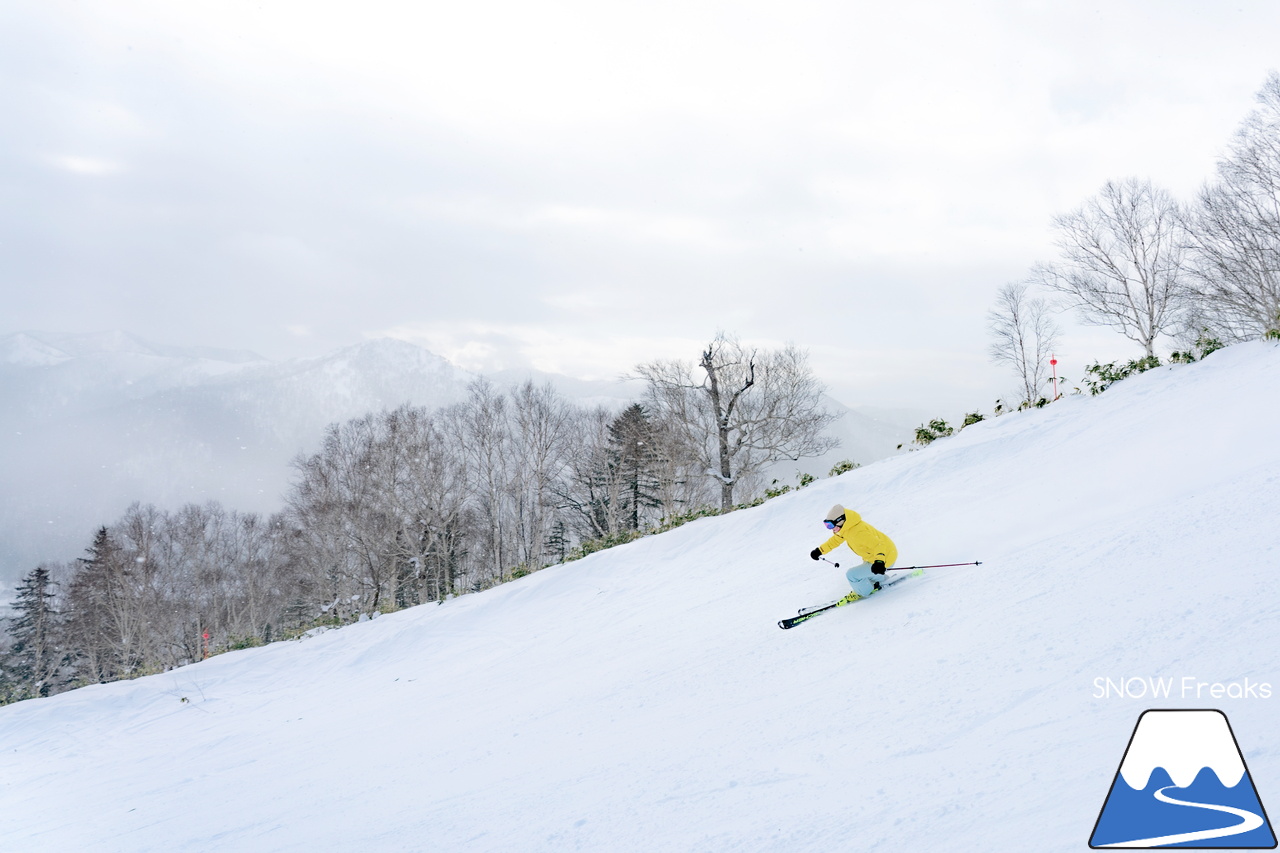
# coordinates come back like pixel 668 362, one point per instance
pixel 911 568
pixel 936 566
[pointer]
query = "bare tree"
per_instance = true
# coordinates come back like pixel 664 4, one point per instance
pixel 480 428
pixel 431 500
pixel 1123 261
pixel 539 447
pixel 739 409
pixel 1023 336
pixel 1234 229
pixel 339 503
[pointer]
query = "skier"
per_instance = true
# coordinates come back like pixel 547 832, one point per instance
pixel 877 551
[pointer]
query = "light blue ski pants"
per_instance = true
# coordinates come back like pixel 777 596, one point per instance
pixel 862 579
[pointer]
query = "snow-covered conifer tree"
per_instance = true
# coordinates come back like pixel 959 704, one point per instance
pixel 35 658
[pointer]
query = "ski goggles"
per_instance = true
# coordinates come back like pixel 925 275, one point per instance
pixel 832 525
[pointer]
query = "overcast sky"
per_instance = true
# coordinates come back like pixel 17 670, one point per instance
pixel 579 186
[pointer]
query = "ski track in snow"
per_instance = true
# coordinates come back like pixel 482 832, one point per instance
pixel 643 699
pixel 1248 822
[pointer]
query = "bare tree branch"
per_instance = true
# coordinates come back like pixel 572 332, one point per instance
pixel 1023 336
pixel 745 409
pixel 1123 261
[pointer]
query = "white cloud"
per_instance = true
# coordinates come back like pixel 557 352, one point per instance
pixel 488 347
pixel 91 166
pixel 580 186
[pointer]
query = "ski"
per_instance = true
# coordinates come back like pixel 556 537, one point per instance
pixel 809 614
pixel 805 614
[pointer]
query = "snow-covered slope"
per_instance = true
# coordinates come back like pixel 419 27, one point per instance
pixel 643 699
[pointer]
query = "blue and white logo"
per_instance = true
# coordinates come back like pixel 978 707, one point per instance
pixel 1183 783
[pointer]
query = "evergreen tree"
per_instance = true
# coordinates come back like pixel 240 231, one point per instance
pixel 557 545
pixel 93 610
pixel 33 661
pixel 633 460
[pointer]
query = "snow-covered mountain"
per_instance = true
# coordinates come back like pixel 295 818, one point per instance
pixel 92 423
pixel 644 699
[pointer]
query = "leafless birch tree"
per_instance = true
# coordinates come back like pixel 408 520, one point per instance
pixel 1122 261
pixel 540 447
pixel 1234 229
pixel 480 428
pixel 430 499
pixel 1023 336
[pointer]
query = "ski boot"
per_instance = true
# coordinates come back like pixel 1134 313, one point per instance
pixel 850 598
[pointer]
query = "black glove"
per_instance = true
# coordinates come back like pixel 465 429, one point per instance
pixel 816 554
pixel 877 568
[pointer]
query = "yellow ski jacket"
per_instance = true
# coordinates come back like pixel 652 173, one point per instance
pixel 863 539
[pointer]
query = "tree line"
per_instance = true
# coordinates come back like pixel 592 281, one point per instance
pixel 411 505
pixel 1135 259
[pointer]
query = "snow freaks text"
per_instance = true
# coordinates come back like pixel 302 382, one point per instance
pixel 1187 687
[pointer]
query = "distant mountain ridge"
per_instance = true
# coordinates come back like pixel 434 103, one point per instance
pixel 95 422
pixel 45 348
